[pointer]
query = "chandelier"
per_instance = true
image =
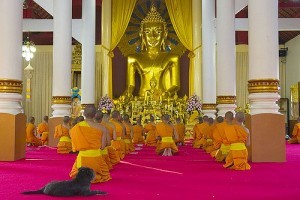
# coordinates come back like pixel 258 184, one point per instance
pixel 28 49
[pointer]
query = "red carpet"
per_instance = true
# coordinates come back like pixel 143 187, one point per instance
pixel 192 174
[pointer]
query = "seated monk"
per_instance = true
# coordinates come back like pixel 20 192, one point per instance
pixel 212 149
pixel 31 139
pixel 104 152
pixel 43 130
pixel 219 136
pixel 112 153
pixel 180 129
pixel 207 134
pixel 236 136
pixel 128 134
pixel 138 133
pixel 150 130
pixel 198 132
pixel 296 133
pixel 118 143
pixel 166 134
pixel 88 139
pixel 62 132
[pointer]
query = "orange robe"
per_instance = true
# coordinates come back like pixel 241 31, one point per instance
pixel 30 137
pixel 151 137
pixel 118 144
pixel 237 157
pixel 180 128
pixel 43 130
pixel 138 132
pixel 127 138
pixel 87 141
pixel 112 153
pixel 222 148
pixel 64 145
pixel 208 132
pixel 199 140
pixel 295 134
pixel 165 131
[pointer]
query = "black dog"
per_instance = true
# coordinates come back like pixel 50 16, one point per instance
pixel 79 186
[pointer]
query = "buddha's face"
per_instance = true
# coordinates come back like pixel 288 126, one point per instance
pixel 153 34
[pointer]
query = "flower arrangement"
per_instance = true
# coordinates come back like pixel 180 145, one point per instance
pixel 193 103
pixel 105 104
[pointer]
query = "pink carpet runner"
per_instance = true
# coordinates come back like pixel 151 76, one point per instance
pixel 192 174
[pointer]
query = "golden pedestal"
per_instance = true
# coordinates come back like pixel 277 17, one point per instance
pixel 12 136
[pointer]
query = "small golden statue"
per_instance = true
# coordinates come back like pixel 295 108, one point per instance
pixel 153 94
pixel 153 61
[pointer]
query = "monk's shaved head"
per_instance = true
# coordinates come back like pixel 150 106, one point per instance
pixel 229 115
pixel 240 117
pixel 89 111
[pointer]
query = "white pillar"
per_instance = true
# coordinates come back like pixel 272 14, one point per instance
pixel 209 58
pixel 11 18
pixel 106 44
pixel 88 52
pixel 226 70
pixel 196 7
pixel 263 56
pixel 62 58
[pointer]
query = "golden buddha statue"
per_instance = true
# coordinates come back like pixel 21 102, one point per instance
pixel 153 60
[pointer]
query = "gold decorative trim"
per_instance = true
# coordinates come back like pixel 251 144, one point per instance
pixel 83 106
pixel 209 106
pixel 226 99
pixel 11 86
pixel 263 85
pixel 61 100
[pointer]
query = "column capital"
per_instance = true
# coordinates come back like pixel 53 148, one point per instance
pixel 226 99
pixel 83 106
pixel 263 86
pixel 11 86
pixel 209 106
pixel 61 100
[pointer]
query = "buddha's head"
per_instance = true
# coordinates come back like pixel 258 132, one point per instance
pixel 153 30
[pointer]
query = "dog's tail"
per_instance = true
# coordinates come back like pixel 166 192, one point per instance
pixel 41 191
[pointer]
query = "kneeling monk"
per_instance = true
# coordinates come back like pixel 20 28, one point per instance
pixel 88 139
pixel 166 135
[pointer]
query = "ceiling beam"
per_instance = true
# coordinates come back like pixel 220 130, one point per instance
pixel 240 5
pixel 46 5
pixel 284 24
pixel 46 25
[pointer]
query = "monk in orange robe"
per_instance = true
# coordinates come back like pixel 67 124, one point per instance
pixel 214 146
pixel 112 153
pixel 236 135
pixel 43 130
pixel 62 132
pixel 207 134
pixel 166 135
pixel 150 130
pixel 128 134
pixel 198 132
pixel 296 133
pixel 219 137
pixel 88 139
pixel 138 133
pixel 118 143
pixel 180 129
pixel 104 152
pixel 31 139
